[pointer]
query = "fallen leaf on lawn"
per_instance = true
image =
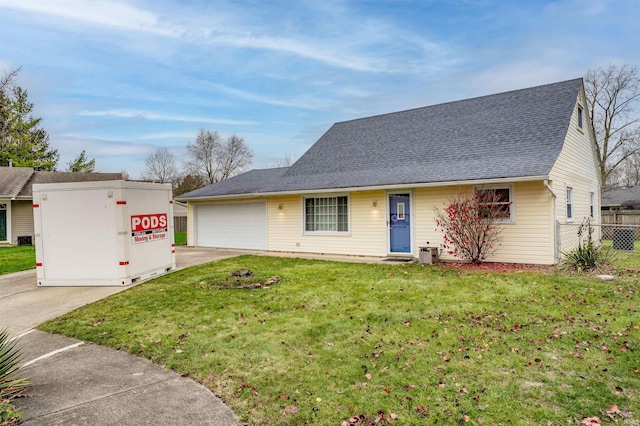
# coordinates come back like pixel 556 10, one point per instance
pixel 410 387
pixel 591 421
pixel 441 385
pixel 479 420
pixel 446 359
pixel 393 416
pixel 613 409
pixel 368 376
pixel 293 410
pixel 387 390
pixel 466 418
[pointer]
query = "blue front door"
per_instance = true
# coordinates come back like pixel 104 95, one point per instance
pixel 399 223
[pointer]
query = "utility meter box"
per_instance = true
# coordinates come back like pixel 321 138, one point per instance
pixel 110 233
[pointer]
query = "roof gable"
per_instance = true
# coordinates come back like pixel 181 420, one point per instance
pixel 13 179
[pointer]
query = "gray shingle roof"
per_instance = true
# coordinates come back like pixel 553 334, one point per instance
pixel 64 177
pixel 246 183
pixel 621 196
pixel 506 135
pixel 17 181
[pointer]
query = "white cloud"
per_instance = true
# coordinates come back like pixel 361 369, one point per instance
pixel 116 14
pixel 168 135
pixel 149 115
pixel 357 48
pixel 304 102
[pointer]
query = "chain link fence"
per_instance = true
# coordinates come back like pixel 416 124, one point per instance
pixel 620 237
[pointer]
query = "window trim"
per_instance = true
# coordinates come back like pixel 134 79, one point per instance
pixel 569 203
pixel 335 233
pixel 580 117
pixel 7 209
pixel 512 211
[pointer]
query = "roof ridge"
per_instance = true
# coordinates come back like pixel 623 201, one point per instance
pixel 459 100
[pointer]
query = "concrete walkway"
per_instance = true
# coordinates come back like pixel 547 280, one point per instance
pixel 78 383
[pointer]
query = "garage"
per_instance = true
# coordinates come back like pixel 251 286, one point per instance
pixel 232 225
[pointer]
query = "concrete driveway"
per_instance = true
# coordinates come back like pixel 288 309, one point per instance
pixel 85 384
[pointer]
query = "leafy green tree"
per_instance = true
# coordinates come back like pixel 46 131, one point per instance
pixel 81 164
pixel 187 183
pixel 22 140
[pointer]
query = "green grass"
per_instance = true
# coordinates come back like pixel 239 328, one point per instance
pixel 14 259
pixel 180 238
pixel 428 344
pixel 626 260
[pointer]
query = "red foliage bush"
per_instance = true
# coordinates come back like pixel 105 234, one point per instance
pixel 470 224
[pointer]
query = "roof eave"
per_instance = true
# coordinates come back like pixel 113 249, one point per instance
pixel 368 188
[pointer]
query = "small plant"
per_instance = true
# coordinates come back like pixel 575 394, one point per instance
pixel 469 223
pixel 10 386
pixel 588 255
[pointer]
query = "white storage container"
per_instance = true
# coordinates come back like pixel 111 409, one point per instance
pixel 110 233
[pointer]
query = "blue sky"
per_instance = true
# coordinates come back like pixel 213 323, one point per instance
pixel 121 78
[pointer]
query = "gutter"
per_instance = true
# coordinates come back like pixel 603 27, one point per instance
pixel 367 188
pixel 556 255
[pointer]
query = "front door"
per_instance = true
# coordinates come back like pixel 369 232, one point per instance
pixel 3 222
pixel 399 223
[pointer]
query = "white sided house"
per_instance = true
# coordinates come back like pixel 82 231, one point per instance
pixel 370 186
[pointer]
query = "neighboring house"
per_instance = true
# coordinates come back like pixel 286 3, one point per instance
pixel 16 206
pixel 370 186
pixel 621 198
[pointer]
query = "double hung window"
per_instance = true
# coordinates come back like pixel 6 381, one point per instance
pixel 326 214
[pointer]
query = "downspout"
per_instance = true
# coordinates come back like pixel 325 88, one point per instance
pixel 556 256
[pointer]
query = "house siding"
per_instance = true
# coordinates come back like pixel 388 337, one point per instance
pixel 576 167
pixel 527 240
pixel 367 227
pixel 21 220
pixel 190 220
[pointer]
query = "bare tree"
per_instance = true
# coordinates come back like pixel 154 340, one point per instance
pixel 626 174
pixel 285 161
pixel 8 81
pixel 160 166
pixel 613 97
pixel 215 159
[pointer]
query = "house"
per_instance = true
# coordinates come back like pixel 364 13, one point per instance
pixel 370 186
pixel 16 206
pixel 621 198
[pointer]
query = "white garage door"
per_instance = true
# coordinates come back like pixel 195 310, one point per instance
pixel 232 225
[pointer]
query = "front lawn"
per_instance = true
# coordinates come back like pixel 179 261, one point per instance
pixel 416 345
pixel 14 259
